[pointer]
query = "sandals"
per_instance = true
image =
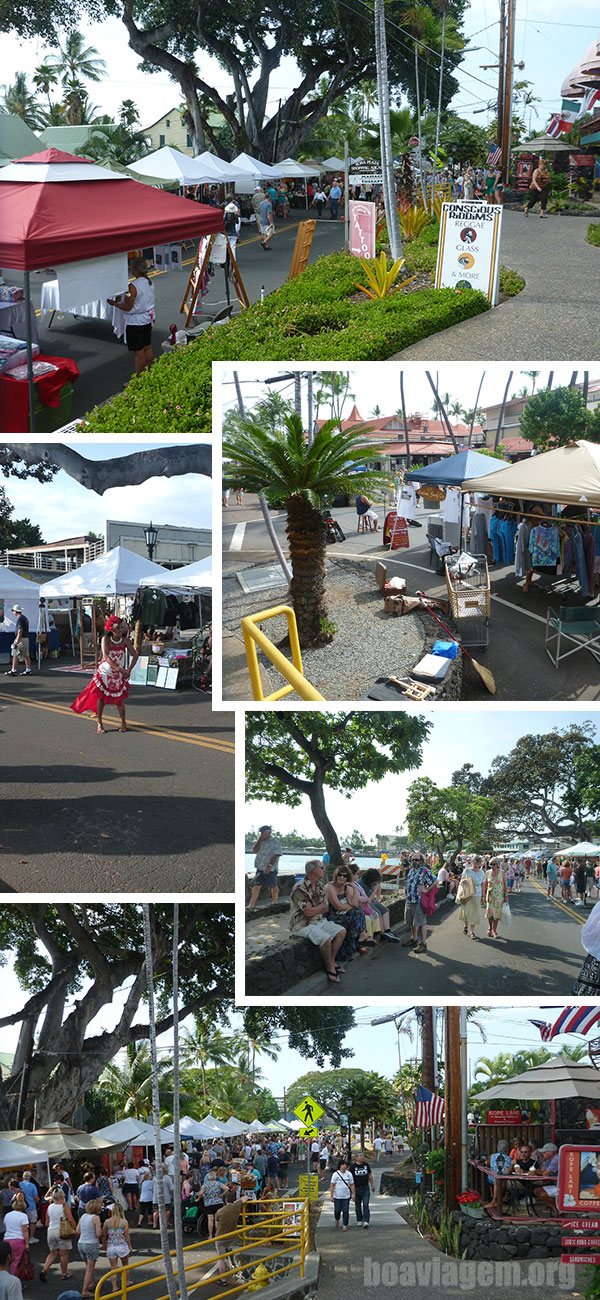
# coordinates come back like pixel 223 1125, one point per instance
pixel 333 977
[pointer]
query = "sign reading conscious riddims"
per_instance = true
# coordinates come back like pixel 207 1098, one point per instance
pixel 469 248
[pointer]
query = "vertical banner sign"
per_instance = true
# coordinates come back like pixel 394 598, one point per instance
pixel 469 248
pixel 362 228
pixel 579 1178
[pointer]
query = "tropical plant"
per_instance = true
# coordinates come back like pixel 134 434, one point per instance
pixel 412 221
pixel 130 1084
pixel 75 60
pixel 207 1045
pixel 19 100
pixel 381 279
pixel 447 1235
pixel 289 471
pixel 44 78
pixel 114 143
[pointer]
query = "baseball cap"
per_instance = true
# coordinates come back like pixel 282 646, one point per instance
pixel 265 828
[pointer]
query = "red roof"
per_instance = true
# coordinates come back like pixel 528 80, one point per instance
pixel 515 445
pixel 418 426
pixel 47 224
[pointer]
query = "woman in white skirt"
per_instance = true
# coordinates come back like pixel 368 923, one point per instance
pixel 469 895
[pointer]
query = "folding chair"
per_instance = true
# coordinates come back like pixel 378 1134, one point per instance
pixel 438 549
pixel 578 627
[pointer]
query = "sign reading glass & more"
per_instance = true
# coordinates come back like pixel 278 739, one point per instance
pixel 469 248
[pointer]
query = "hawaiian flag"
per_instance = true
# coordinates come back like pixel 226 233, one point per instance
pixel 572 1020
pixel 590 99
pixel 429 1108
pixel 559 125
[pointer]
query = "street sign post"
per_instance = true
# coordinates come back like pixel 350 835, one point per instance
pixel 308 1186
pixel 308 1110
pixel 365 173
pixel 309 1133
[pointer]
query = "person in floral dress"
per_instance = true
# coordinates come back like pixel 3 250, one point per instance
pixel 495 895
pixel 110 683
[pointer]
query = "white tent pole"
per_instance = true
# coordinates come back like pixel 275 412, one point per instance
pixel 29 342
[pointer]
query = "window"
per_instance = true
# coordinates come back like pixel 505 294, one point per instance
pixel 168 123
pixel 161 141
pixel 188 141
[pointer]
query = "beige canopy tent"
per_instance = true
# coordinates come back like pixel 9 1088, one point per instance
pixel 568 475
pixel 555 1080
pixel 57 1140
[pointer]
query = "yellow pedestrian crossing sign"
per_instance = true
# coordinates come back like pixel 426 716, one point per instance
pixel 308 1110
pixel 307 1133
pixel 308 1186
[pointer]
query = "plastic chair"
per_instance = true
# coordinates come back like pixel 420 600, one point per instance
pixel 576 627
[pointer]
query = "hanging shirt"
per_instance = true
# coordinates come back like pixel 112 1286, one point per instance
pixel 544 546
pixel 451 506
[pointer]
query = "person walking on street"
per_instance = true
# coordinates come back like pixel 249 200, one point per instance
pixel 257 199
pixel 335 195
pixel 320 199
pixel 364 1184
pixel 418 881
pixel 20 646
pixel 539 188
pixel 267 222
pixel 495 895
pixel 341 1192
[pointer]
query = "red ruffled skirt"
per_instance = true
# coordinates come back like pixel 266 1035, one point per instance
pixel 112 689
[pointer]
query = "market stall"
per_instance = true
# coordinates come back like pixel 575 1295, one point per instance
pixel 62 211
pixel 15 590
pixel 449 473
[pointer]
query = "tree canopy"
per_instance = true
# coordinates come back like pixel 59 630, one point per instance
pixel 72 959
pixel 364 1093
pixel 15 532
pixel 450 816
pixel 42 461
pixel 546 784
pixel 555 416
pixel 291 755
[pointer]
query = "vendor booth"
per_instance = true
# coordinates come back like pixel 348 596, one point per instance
pixel 450 473
pixel 59 210
pixel 15 590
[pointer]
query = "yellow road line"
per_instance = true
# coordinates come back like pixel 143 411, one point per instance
pixel 185 738
pixel 558 903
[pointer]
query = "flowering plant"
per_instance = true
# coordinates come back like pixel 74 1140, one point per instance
pixel 469 1198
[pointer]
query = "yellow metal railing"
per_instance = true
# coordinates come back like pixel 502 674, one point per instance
pixel 264 1228
pixel 254 636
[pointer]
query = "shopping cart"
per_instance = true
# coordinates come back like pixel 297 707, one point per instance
pixel 468 584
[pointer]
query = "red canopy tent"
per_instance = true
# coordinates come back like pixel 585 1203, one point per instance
pixel 55 208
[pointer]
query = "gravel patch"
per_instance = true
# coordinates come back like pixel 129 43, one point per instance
pixel 366 645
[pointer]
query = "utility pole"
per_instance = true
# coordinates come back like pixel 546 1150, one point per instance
pixel 309 386
pixel 501 74
pixel 453 1111
pixel 427 1047
pixel 508 88
pixel 298 393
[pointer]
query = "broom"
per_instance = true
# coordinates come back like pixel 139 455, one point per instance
pixel 486 676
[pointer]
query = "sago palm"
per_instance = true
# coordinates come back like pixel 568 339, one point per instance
pixel 288 471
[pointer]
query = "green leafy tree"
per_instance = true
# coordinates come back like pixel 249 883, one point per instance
pixel 206 1045
pixel 291 755
pixel 75 60
pixel 537 786
pixel 450 816
pixel 129 1083
pixel 15 532
pixel 556 416
pixel 587 780
pixel 110 143
pixel 363 1092
pixel 463 141
pixel 45 77
pixel 287 470
pixel 19 100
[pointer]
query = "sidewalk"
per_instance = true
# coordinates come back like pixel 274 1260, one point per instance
pixel 391 1256
pixel 554 318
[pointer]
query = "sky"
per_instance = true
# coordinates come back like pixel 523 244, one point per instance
pixel 63 508
pixel 379 384
pixel 374 1047
pixel 548 45
pixel 380 808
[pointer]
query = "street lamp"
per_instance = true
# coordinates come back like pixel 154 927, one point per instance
pixel 349 1130
pixel 150 534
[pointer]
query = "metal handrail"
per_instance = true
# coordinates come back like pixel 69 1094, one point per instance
pixel 289 1225
pixel 293 673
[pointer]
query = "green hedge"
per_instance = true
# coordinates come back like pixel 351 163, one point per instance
pixel 310 319
pixel 593 234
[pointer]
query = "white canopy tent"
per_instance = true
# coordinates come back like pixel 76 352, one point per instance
pixel 117 573
pixel 253 169
pixel 125 1131
pixel 191 577
pixel 334 164
pixel 15 590
pixel 15 1154
pixel 169 164
pixel 568 475
pixel 583 850
pixel 297 170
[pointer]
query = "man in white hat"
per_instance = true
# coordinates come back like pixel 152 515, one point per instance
pixel 20 645
pixel 232 222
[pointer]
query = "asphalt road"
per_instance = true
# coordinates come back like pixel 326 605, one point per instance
pixel 151 810
pixel 539 953
pixel 104 362
pixel 515 654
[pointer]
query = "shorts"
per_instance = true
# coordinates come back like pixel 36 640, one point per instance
pixel 125 1252
pixel 320 931
pixel 138 337
pixel 212 1209
pixel 265 877
pixel 414 914
pixel 56 1242
pixel 20 649
pixel 132 1188
pixel 88 1251
pixel 32 1215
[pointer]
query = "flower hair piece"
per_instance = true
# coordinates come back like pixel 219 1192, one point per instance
pixel 111 622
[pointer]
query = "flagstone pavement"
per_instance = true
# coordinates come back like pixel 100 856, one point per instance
pixel 555 318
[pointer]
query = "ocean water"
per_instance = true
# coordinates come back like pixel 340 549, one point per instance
pixel 292 864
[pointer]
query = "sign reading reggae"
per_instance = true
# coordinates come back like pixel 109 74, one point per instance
pixel 469 248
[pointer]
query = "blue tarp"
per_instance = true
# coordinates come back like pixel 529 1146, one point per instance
pixel 453 471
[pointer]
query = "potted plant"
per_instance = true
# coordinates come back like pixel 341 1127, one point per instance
pixel 470 1204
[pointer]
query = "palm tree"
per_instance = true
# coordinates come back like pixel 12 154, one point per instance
pixel 260 1044
pixel 130 1084
pixel 77 60
pixel 334 389
pixel 177 1218
pixel 78 109
pixel 385 133
pixel 533 376
pixel 207 1046
pixel 19 100
pixel 44 78
pixel 114 144
pixel 290 472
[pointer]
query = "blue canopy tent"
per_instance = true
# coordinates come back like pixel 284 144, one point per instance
pixel 452 471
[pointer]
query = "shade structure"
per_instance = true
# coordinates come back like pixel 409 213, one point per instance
pixel 72 213
pixel 298 170
pixel 257 1127
pixel 19 1153
pixel 568 475
pixel 334 164
pixel 557 1079
pixel 253 168
pixel 124 1132
pixel 542 144
pixel 583 850
pixel 453 470
pixel 195 1128
pixel 56 1140
pixel 146 1138
pixel 15 590
pixel 168 164
pixel 117 573
pixel 191 577
pixel 233 1127
pixel 585 75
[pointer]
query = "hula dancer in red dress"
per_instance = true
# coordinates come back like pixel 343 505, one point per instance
pixel 110 683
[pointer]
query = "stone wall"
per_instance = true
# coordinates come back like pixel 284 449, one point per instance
pixel 398 1185
pixel 487 1239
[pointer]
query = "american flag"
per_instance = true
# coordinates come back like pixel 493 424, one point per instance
pixel 429 1108
pixel 572 1020
pixel 494 155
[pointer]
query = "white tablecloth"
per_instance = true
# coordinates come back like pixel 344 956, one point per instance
pixel 96 310
pixel 13 320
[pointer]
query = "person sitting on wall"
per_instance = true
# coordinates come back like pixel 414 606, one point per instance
pixel 308 918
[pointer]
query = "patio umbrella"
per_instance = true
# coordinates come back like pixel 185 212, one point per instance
pixel 542 144
pixel 556 1079
pixel 454 470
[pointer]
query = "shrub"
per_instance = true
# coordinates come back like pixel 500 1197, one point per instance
pixel 310 319
pixel 381 279
pixel 412 221
pixel 593 234
pixel 511 283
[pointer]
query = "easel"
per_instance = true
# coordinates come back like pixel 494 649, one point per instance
pixel 302 247
pixel 201 261
pixel 88 656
